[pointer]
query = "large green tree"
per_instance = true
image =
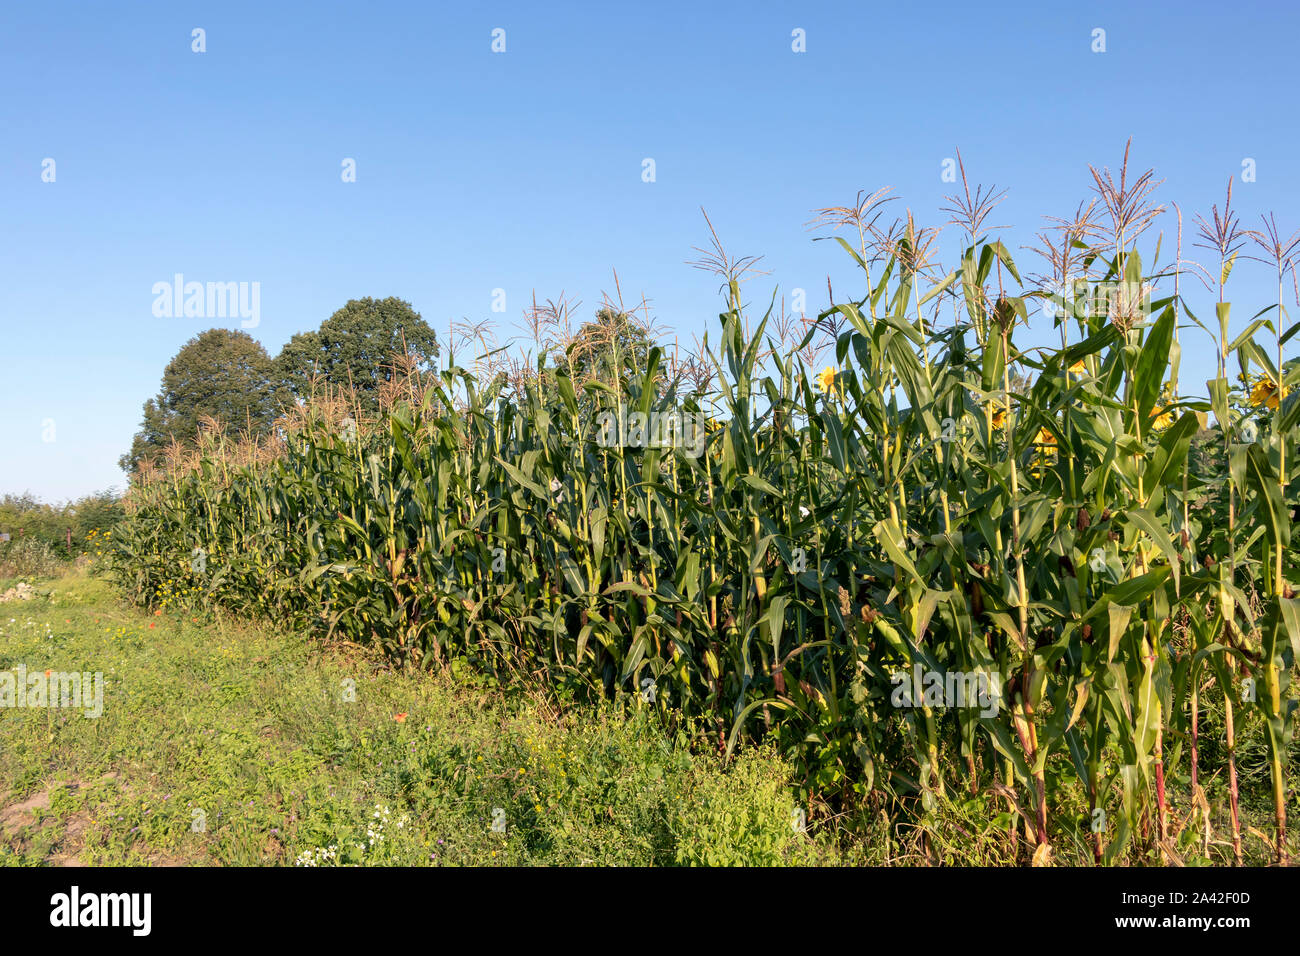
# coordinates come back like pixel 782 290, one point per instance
pixel 223 373
pixel 355 348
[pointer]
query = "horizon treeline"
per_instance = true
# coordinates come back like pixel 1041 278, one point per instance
pixel 225 378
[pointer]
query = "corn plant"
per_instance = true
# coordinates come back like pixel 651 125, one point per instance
pixel 939 500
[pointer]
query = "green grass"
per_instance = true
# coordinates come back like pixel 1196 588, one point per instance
pixel 249 727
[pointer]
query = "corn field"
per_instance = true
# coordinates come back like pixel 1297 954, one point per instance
pixel 1106 544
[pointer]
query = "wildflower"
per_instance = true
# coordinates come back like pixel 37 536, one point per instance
pixel 400 718
pixel 1045 437
pixel 826 378
pixel 999 417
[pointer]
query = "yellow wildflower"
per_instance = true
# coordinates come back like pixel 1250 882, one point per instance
pixel 826 378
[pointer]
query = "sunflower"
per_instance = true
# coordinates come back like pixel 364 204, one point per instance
pixel 1045 442
pixel 825 379
pixel 1162 418
pixel 1078 368
pixel 999 417
pixel 1264 393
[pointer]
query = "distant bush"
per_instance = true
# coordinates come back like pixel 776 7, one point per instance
pixel 27 557
pixel 40 525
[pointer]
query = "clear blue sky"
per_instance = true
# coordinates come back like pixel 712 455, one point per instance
pixel 522 170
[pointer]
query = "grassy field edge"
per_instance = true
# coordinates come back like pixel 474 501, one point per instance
pixel 227 743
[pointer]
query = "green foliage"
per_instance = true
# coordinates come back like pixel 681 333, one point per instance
pixel 27 558
pixel 354 349
pixel 248 729
pixel 613 348
pixel 946 502
pixel 744 818
pixel 39 531
pixel 221 374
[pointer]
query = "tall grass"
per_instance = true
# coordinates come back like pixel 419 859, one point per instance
pixel 940 498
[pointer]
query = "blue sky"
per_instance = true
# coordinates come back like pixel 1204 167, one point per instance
pixel 522 170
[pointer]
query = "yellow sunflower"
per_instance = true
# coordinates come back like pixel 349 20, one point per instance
pixel 999 417
pixel 1161 419
pixel 1264 393
pixel 825 379
pixel 1045 441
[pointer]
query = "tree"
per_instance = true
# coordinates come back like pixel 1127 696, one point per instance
pixel 355 348
pixel 223 373
pixel 591 354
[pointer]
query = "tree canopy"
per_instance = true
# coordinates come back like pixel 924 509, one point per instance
pixel 355 347
pixel 223 373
